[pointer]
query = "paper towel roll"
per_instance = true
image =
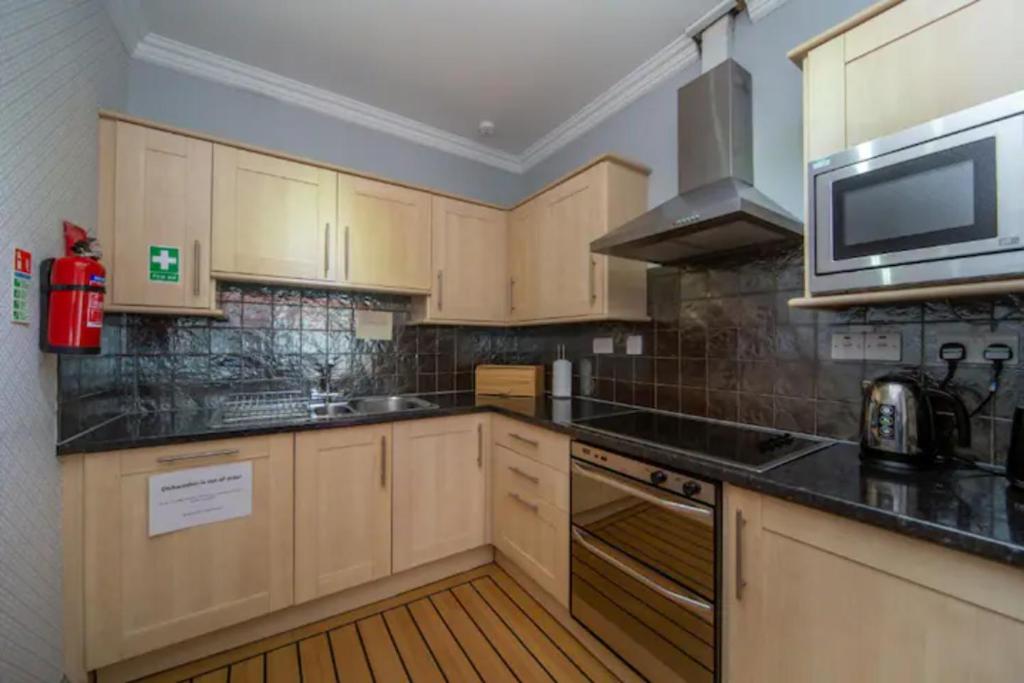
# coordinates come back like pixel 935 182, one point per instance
pixel 561 378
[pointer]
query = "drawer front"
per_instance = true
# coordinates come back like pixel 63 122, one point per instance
pixel 535 443
pixel 529 478
pixel 198 454
pixel 535 535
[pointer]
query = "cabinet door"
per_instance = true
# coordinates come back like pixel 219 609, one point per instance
pixel 470 261
pixel 529 527
pixel 385 235
pixel 570 277
pixel 145 592
pixel 439 489
pixel 342 509
pixel 523 228
pixel 161 220
pixel 272 217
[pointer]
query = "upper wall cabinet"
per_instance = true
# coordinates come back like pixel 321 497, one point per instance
pixel 154 219
pixel 273 218
pixel 915 61
pixel 385 235
pixel 523 231
pixel 470 264
pixel 572 283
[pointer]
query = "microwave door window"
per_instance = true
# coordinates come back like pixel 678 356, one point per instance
pixel 945 198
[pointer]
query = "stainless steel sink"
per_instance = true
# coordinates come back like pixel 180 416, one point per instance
pixel 389 404
pixel 325 410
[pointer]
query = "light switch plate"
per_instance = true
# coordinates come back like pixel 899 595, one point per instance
pixel 603 345
pixel 883 346
pixel 847 346
pixel 634 345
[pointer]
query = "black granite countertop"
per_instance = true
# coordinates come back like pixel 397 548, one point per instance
pixel 963 509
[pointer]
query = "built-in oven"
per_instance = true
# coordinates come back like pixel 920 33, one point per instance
pixel 644 575
pixel 940 202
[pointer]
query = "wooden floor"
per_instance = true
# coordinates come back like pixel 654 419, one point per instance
pixel 479 625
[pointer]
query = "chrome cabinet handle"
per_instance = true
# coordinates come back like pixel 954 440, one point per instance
pixel 741 583
pixel 383 462
pixel 327 248
pixel 512 294
pixel 346 252
pixel 703 515
pixel 196 251
pixel 480 446
pixel 440 289
pixel 530 442
pixel 590 275
pixel 196 456
pixel 525 503
pixel 524 475
pixel 683 601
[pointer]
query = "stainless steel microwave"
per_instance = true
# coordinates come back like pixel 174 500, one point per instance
pixel 939 202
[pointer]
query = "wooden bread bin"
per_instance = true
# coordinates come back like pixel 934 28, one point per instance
pixel 510 380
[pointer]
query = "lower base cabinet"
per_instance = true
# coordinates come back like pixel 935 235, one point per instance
pixel 815 597
pixel 440 493
pixel 342 509
pixel 143 592
pixel 531 521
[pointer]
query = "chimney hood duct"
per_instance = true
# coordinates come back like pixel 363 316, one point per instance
pixel 718 209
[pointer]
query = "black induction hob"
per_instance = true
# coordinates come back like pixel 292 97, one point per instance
pixel 751 448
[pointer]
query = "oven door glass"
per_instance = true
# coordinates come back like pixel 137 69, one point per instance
pixel 932 201
pixel 642 576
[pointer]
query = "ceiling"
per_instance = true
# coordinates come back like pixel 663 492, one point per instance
pixel 430 69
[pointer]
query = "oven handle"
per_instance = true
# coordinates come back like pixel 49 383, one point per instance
pixel 703 515
pixel 684 601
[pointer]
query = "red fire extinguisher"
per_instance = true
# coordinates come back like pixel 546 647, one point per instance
pixel 71 305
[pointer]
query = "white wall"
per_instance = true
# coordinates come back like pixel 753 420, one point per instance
pixel 59 61
pixel 186 101
pixel 646 130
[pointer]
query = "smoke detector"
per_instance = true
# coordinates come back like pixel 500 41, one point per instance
pixel 486 128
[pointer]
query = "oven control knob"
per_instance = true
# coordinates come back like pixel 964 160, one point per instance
pixel 691 488
pixel 658 477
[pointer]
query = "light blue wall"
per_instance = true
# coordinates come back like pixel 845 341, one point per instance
pixel 59 62
pixel 178 99
pixel 646 130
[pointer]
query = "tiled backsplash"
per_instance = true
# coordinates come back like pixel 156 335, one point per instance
pixel 722 343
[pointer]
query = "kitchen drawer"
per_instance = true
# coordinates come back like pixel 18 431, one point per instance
pixel 529 478
pixel 538 444
pixel 197 454
pixel 534 535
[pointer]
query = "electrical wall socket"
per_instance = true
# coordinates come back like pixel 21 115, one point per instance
pixel 883 346
pixel 603 345
pixel 847 346
pixel 976 345
pixel 634 345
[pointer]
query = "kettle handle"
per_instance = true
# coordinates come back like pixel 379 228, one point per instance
pixel 963 419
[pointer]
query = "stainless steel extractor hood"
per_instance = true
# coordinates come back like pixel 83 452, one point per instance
pixel 718 209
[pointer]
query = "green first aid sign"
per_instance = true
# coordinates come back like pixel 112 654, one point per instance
pixel 164 264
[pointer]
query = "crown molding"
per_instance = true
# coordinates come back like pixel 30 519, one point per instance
pixel 162 51
pixel 670 60
pixel 759 9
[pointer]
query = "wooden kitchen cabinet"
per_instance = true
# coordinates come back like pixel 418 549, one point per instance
pixel 439 488
pixel 154 202
pixel 144 592
pixel 523 231
pixel 470 261
pixel 342 509
pixel 828 598
pixel 385 235
pixel 273 219
pixel 905 64
pixel 571 282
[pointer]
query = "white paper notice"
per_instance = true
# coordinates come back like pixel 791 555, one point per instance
pixel 374 325
pixel 201 495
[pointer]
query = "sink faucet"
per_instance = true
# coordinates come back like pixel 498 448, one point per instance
pixel 323 386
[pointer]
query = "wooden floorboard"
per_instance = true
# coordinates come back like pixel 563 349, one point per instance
pixel 477 626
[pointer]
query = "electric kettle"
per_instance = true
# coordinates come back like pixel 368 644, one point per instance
pixel 907 424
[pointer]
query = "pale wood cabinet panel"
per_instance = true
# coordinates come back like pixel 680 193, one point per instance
pixel 531 522
pixel 273 217
pixel 144 592
pixel 385 235
pixel 158 195
pixel 470 263
pixel 342 509
pixel 832 599
pixel 524 290
pixel 439 488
